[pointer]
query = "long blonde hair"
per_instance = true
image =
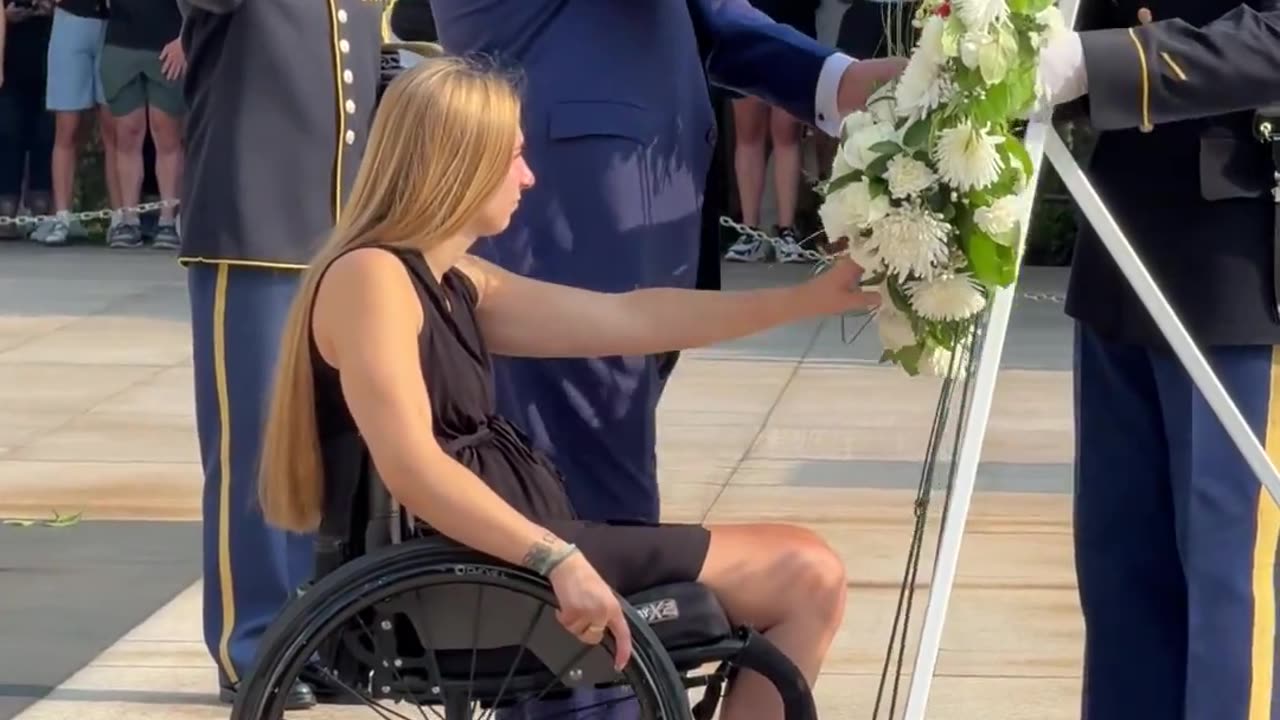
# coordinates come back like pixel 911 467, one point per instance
pixel 440 146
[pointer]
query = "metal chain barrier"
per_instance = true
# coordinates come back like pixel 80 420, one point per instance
pixel 21 220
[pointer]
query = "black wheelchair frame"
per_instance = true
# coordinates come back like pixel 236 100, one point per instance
pixel 429 594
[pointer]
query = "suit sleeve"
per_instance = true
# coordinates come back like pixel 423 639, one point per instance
pixel 747 52
pixel 1169 70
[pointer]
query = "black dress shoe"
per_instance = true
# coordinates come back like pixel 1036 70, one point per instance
pixel 301 696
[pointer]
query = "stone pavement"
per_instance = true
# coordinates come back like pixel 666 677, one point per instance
pixel 795 425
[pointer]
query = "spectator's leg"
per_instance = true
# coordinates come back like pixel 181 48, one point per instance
pixel 166 111
pixel 784 131
pixel 70 90
pixel 39 133
pixel 751 129
pixel 124 89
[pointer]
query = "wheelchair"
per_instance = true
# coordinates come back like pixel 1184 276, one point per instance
pixel 396 616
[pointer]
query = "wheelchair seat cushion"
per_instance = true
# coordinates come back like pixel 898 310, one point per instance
pixel 683 615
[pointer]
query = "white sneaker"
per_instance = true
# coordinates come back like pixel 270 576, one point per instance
pixel 747 248
pixel 787 248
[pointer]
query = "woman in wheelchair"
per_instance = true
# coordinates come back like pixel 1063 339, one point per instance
pixel 391 338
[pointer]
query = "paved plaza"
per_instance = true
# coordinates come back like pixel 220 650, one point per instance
pixel 101 619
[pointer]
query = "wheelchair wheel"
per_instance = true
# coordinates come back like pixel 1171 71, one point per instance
pixel 452 634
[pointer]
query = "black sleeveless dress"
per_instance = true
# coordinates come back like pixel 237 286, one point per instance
pixel 456 368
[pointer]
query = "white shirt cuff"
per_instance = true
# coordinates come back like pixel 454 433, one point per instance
pixel 825 105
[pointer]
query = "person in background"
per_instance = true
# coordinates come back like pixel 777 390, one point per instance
pixel 26 128
pixel 755 124
pixel 142 63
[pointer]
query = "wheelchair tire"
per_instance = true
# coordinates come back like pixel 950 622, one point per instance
pixel 360 584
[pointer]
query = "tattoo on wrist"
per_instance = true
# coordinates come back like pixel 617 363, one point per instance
pixel 541 552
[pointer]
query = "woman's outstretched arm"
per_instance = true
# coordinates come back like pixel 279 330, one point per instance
pixel 523 317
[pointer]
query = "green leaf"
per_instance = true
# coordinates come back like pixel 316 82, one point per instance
pixel 992 263
pixel 916 135
pixel 899 296
pixel 877 167
pixel 879 186
pixel 909 358
pixel 1017 153
pixel 61 521
pixel 835 184
pixel 886 147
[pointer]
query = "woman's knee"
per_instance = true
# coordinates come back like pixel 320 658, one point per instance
pixel 776 571
pixel 823 580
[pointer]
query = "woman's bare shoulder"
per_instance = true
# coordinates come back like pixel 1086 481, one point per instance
pixel 361 290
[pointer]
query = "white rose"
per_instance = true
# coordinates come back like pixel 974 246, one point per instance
pixel 860 135
pixel 908 176
pixel 1000 217
pixel 893 325
pixel 851 208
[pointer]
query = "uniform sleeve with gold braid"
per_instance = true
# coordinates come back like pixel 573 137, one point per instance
pixel 1170 70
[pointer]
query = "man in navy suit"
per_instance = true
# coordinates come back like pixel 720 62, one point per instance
pixel 620 129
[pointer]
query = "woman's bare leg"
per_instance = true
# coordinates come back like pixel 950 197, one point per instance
pixel 786 582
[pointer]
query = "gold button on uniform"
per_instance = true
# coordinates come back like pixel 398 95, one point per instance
pixel 342 16
pixel 351 136
pixel 351 107
pixel 348 77
pixel 1144 15
pixel 344 46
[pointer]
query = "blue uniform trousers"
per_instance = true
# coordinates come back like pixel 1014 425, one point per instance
pixel 250 569
pixel 1175 538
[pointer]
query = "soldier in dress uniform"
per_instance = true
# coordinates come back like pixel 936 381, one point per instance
pixel 1175 538
pixel 281 96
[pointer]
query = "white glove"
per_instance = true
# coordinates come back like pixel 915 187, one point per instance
pixel 1061 76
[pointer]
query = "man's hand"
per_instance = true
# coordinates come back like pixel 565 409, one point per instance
pixel 862 78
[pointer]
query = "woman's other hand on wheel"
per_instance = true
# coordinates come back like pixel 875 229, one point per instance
pixel 588 606
pixel 837 290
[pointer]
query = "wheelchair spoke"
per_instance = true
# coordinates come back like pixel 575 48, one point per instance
pixel 475 643
pixel 524 643
pixel 377 707
pixel 400 678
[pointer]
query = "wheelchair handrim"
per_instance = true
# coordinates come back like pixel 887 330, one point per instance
pixel 306 624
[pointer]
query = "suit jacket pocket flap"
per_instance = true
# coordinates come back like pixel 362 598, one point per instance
pixel 575 119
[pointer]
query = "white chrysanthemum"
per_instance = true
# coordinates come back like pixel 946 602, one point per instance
pixel 893 325
pixel 851 208
pixel 953 296
pixel 937 362
pixel 923 84
pixel 978 14
pixel 910 241
pixel 1000 217
pixel 907 176
pixel 967 157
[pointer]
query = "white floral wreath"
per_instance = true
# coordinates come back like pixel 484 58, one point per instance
pixel 929 184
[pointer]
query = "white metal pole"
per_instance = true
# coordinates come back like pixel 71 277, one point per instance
pixel 973 431
pixel 1179 339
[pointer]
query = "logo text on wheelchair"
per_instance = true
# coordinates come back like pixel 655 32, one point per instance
pixel 659 611
pixel 479 570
